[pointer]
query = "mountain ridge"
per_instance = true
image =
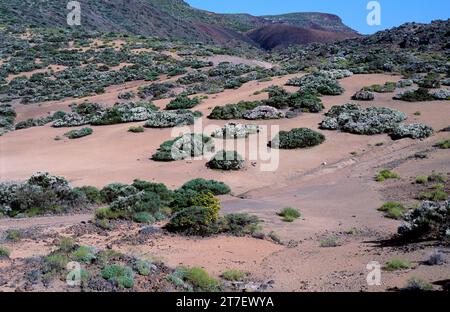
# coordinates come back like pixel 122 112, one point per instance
pixel 174 19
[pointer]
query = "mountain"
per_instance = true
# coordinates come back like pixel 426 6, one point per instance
pixel 177 19
pixel 283 35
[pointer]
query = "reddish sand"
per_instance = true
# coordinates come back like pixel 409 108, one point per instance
pixel 334 189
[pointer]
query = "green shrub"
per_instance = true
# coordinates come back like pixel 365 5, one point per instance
pixel 307 102
pixel 386 174
pixel 93 194
pixel 115 190
pixel 188 145
pixel 421 179
pixel 436 195
pixel 201 185
pixel 84 254
pixel 138 129
pixel 289 214
pixel 199 278
pixel 430 81
pixel 233 111
pixel 140 202
pixel 444 144
pixel 182 198
pixel 297 138
pixel 56 262
pixel 76 134
pixel 397 264
pixel 437 177
pixel 13 235
pixel 275 237
pixel 328 242
pixel 158 188
pixel 4 252
pixel 419 95
pixel 66 244
pixel 121 275
pixel 143 217
pixel 233 275
pixel 143 267
pixel 240 224
pixel 386 88
pixel 417 284
pixel 183 102
pixel 226 160
pixel 392 210
pixel 194 221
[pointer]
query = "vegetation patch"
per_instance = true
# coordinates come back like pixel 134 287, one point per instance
pixel 226 160
pixel 183 102
pixel 297 138
pixel 386 174
pixel 138 129
pixel 186 146
pixel 289 214
pixel 202 185
pixel 233 275
pixel 397 264
pixel 76 134
pixel 393 210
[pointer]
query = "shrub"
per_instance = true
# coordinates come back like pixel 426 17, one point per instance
pixel 436 195
pixel 430 81
pixel 417 284
pixel 56 262
pixel 182 198
pixel 92 194
pixel 386 174
pixel 392 210
pixel 419 95
pixel 115 190
pixel 183 102
pixel 421 179
pixel 199 278
pixel 84 254
pixel 168 119
pixel 200 185
pixel 121 275
pixel 143 217
pixel 240 224
pixel 328 242
pixel 4 252
pixel 194 221
pixel 141 202
pixel 275 237
pixel 437 177
pixel 143 267
pixel 386 88
pixel 233 275
pixel 444 144
pixel 429 220
pixel 233 111
pixel 188 145
pixel 436 258
pixel 307 102
pixel 76 134
pixel 397 264
pixel 317 83
pixel 297 138
pixel 136 129
pixel 66 244
pixel 226 160
pixel 413 131
pixel 289 214
pixel 158 188
pixel 13 235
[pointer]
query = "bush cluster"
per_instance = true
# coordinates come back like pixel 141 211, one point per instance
pixel 226 160
pixel 297 138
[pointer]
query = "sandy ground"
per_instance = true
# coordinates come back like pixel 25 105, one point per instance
pixel 333 197
pixel 216 59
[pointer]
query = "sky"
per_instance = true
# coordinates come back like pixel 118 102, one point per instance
pixel 353 12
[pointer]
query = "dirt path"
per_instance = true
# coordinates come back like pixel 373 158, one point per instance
pixel 54 221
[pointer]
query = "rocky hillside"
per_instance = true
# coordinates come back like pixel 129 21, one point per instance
pixel 176 19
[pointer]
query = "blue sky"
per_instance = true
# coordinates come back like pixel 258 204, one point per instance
pixel 353 12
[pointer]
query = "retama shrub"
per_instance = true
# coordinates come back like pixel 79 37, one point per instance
pixel 200 185
pixel 297 138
